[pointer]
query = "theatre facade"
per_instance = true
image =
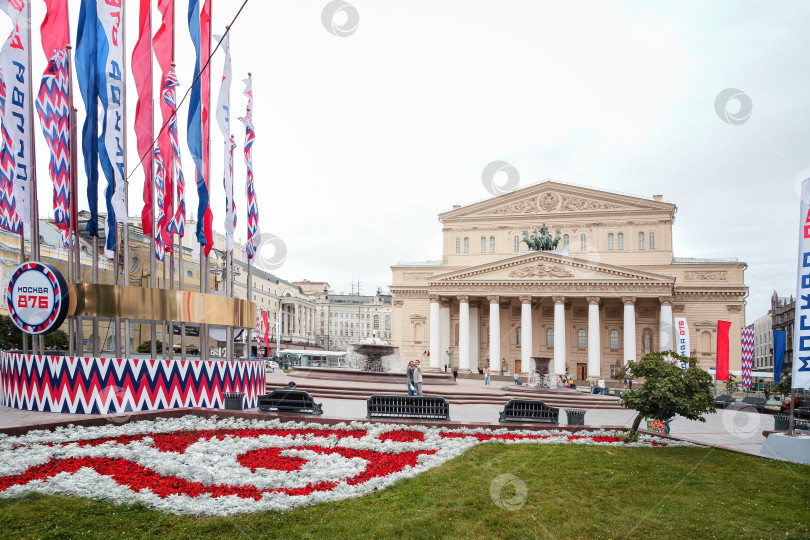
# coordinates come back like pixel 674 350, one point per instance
pixel 607 294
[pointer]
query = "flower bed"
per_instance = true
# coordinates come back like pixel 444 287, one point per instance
pixel 194 465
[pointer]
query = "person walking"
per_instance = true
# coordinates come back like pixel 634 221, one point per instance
pixel 417 378
pixel 517 381
pixel 486 375
pixel 601 386
pixel 409 380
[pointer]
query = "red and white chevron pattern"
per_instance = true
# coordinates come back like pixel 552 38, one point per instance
pixel 9 220
pixel 53 107
pixel 118 385
pixel 747 355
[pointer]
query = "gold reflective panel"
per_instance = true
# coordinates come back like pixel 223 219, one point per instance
pixel 141 303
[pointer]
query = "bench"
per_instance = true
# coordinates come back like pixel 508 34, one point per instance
pixel 414 407
pixel 723 401
pixel 757 403
pixel 289 400
pixel 802 412
pixel 524 410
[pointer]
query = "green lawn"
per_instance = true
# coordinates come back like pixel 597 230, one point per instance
pixel 573 492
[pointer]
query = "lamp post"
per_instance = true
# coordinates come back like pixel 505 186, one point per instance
pixel 449 360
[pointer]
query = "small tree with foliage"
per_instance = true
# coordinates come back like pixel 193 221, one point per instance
pixel 783 388
pixel 621 372
pixel 668 390
pixel 10 335
pixel 57 341
pixel 731 384
pixel 146 346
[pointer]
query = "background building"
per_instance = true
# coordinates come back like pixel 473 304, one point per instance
pixel 763 343
pixel 782 313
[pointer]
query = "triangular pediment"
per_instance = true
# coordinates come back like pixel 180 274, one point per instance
pixel 556 198
pixel 549 266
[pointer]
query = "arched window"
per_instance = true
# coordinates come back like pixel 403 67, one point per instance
pixel 458 245
pixel 614 340
pixel 581 340
pixel 610 241
pixel 483 244
pixel 620 240
pixel 517 243
pixel 583 243
pixel 549 338
pixel 565 241
pixel 388 322
pixel 492 244
pixel 641 240
pixel 466 245
pixel 652 240
pixel 376 322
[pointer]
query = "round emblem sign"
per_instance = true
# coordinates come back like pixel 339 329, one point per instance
pixel 37 298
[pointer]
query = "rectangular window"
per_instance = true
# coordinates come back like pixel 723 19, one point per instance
pixel 458 245
pixel 641 240
pixel 550 338
pixel 614 340
pixel 483 245
pixel 517 334
pixel 492 245
pixel 621 240
pixel 610 241
pixel 614 369
pixel 652 240
pixel 583 244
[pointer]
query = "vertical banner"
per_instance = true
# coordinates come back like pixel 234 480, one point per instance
pixel 194 134
pixel 111 95
pixel 682 345
pixel 800 376
pixel 177 224
pixel 207 217
pixel 259 319
pixel 53 108
pixel 8 208
pixel 144 130
pixel 163 45
pixel 252 204
pixel 278 334
pixel 779 344
pixel 747 342
pixel 17 117
pixel 160 192
pixel 265 315
pixel 224 122
pixel 722 350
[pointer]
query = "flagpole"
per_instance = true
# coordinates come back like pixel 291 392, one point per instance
pixel 207 141
pixel 125 225
pixel 170 215
pixel 36 341
pixel 152 263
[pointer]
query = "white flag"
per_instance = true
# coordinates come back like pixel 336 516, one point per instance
pixel 224 122
pixel 110 15
pixel 801 326
pixel 682 345
pixel 17 118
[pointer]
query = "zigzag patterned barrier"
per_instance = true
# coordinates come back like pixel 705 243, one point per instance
pixel 116 385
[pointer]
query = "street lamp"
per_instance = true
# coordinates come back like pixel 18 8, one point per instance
pixel 449 360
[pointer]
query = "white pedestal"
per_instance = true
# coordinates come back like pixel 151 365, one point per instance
pixel 781 446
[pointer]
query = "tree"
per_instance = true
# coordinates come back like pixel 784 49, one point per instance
pixel 783 388
pixel 57 341
pixel 621 373
pixel 146 346
pixel 668 390
pixel 731 384
pixel 10 335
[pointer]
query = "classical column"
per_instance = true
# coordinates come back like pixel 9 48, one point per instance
pixel 494 333
pixel 295 328
pixel 445 318
pixel 526 334
pixel 475 336
pixel 594 346
pixel 629 328
pixel 559 335
pixel 435 334
pixel 463 333
pixel 665 342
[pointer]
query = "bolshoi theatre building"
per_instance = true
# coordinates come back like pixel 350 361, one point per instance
pixel 607 294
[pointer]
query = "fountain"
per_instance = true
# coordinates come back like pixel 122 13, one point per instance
pixel 373 354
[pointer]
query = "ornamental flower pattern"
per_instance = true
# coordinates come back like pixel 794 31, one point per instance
pixel 199 466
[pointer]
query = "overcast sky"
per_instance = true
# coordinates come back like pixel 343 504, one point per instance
pixel 362 140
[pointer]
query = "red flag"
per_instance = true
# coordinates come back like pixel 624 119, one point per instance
pixel 144 132
pixel 55 29
pixel 722 350
pixel 205 80
pixel 163 44
pixel 266 333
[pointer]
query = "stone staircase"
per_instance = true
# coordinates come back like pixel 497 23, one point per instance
pixel 461 394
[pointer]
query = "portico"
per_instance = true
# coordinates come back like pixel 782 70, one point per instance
pixel 517 326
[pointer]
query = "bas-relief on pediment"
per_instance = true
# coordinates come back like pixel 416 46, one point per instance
pixel 541 270
pixel 551 202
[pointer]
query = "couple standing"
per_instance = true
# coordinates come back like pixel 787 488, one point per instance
pixel 414 378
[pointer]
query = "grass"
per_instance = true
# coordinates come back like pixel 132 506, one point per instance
pixel 573 492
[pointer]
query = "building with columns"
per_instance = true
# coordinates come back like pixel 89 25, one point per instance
pixel 606 295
